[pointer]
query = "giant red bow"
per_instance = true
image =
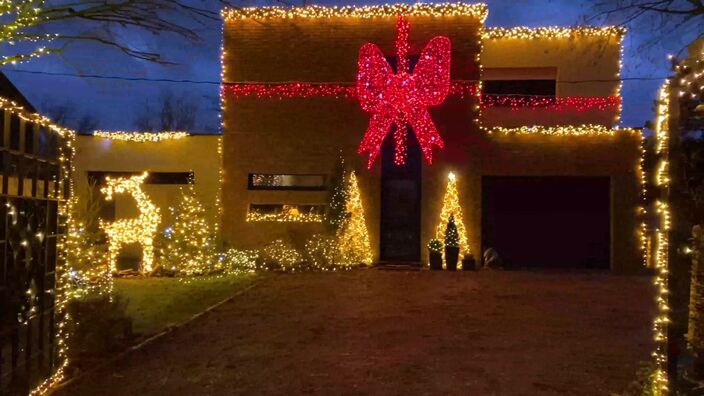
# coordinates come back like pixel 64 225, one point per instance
pixel 403 98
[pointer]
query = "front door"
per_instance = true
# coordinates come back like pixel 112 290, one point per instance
pixel 400 203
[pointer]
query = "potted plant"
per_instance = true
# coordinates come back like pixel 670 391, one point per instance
pixel 452 245
pixel 435 253
pixel 469 263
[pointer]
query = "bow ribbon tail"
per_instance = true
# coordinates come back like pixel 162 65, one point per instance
pixel 400 142
pixel 379 125
pixel 426 132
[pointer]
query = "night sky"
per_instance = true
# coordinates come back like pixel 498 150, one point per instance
pixel 115 102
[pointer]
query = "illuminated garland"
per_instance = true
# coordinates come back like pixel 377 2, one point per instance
pixel 141 230
pixel 140 137
pixel 388 10
pixel 289 214
pixel 660 324
pixel 353 237
pixel 451 207
pixel 566 130
pixel 552 32
pixel 34 118
pixel 62 293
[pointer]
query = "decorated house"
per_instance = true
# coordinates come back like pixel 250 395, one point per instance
pixel 516 127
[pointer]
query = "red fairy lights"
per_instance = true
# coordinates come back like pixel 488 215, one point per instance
pixel 289 90
pixel 462 89
pixel 402 99
pixel 580 104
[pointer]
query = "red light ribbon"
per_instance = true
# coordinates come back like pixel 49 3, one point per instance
pixel 402 99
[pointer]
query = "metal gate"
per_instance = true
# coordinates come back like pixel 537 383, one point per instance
pixel 32 191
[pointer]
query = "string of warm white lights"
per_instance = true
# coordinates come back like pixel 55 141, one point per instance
pixel 61 291
pixel 34 118
pixel 565 130
pixel 288 214
pixel 551 32
pixel 662 319
pixel 387 10
pixel 140 137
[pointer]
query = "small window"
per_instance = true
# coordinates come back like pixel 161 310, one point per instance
pixel 98 177
pixel 509 83
pixel 262 181
pixel 520 87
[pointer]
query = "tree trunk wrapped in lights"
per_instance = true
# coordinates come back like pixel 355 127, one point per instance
pixel 190 247
pixel 352 237
pixel 695 332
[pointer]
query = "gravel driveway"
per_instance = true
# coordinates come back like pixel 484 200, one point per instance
pixel 376 332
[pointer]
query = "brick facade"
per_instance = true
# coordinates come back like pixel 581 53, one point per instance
pixel 307 135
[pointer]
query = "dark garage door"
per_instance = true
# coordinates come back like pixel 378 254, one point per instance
pixel 549 222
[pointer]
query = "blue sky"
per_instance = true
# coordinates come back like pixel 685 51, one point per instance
pixel 115 102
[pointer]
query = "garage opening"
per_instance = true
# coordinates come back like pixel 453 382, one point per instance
pixel 547 222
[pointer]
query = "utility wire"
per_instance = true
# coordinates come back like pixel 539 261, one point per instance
pixel 210 82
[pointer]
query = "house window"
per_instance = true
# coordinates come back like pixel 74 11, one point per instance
pixel 266 181
pixel 98 177
pixel 520 87
pixel 520 82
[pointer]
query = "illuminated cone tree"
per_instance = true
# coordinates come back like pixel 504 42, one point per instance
pixel 190 247
pixel 352 236
pixel 451 207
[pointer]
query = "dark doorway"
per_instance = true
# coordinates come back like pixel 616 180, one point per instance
pixel 400 203
pixel 549 222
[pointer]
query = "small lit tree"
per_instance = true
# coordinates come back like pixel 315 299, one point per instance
pixel 352 236
pixel 452 237
pixel 451 208
pixel 190 242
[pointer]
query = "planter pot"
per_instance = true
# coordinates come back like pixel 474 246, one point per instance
pixel 451 256
pixel 469 264
pixel 435 261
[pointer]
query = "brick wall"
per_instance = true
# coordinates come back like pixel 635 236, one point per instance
pixel 306 135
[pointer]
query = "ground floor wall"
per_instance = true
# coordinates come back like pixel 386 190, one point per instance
pixel 471 157
pixel 196 156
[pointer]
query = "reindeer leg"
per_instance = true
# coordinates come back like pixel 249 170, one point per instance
pixel 147 257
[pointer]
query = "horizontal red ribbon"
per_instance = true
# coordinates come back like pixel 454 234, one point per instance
pixel 462 89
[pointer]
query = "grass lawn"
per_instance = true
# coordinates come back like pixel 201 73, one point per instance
pixel 157 303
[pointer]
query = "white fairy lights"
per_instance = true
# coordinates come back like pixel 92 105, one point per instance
pixel 386 10
pixel 140 230
pixel 565 130
pixel 140 136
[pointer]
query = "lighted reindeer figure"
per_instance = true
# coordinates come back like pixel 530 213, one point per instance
pixel 137 230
